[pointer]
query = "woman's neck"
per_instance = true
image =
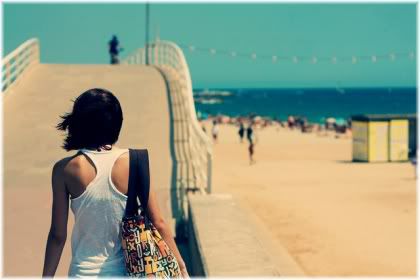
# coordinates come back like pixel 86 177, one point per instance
pixel 101 148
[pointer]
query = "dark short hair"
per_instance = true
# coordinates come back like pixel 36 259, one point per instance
pixel 95 121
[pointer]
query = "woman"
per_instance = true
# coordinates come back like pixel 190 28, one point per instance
pixel 94 182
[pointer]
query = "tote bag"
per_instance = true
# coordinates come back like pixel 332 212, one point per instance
pixel 146 253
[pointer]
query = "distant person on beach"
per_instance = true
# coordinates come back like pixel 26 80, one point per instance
pixel 241 131
pixel 249 133
pixel 251 153
pixel 349 123
pixel 413 161
pixel 215 131
pixel 291 122
pixel 94 183
pixel 203 126
pixel 114 50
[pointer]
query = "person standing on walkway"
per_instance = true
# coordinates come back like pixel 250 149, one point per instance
pixel 114 50
pixel 215 131
pixel 94 183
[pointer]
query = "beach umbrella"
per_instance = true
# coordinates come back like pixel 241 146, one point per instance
pixel 257 119
pixel 331 120
pixel 341 121
pixel 225 119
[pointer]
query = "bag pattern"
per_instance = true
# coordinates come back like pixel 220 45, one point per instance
pixel 146 253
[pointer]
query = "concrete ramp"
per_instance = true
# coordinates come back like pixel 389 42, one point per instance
pixel 32 146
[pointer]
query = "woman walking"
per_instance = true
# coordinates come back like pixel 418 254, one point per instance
pixel 94 183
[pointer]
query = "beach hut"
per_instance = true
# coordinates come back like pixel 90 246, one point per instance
pixel 381 138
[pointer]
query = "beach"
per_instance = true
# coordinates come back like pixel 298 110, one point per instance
pixel 335 217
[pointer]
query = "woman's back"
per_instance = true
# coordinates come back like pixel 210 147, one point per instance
pixel 98 206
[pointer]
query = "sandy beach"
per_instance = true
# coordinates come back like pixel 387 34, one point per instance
pixel 335 217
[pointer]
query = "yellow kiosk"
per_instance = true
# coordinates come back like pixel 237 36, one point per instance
pixel 380 138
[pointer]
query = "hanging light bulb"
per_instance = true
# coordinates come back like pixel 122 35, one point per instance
pixel 411 55
pixel 392 56
pixel 374 58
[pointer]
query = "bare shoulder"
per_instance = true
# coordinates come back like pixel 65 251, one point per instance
pixel 122 162
pixel 124 156
pixel 66 165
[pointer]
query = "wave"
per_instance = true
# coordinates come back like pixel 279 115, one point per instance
pixel 208 100
pixel 221 93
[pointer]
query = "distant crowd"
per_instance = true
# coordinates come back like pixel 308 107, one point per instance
pixel 293 122
pixel 247 124
pixel 244 131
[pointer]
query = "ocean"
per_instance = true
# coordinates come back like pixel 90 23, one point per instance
pixel 314 104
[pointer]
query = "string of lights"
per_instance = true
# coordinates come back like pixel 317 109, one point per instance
pixel 314 59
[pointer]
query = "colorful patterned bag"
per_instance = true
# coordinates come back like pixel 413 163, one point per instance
pixel 146 253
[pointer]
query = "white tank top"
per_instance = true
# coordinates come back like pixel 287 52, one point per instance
pixel 95 241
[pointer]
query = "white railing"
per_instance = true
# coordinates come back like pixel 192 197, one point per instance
pixel 16 63
pixel 193 150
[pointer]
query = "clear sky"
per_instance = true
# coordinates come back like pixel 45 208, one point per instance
pixel 78 33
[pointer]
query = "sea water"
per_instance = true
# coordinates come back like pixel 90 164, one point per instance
pixel 314 104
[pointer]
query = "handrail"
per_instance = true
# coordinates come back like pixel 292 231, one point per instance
pixel 193 148
pixel 16 63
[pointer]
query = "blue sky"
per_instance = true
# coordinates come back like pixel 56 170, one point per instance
pixel 78 33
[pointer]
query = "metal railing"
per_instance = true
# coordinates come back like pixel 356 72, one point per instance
pixel 16 63
pixel 193 152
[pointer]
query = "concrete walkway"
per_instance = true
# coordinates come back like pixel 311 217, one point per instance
pixel 32 146
pixel 230 241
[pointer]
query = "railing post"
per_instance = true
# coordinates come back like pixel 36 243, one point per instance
pixel 138 61
pixel 37 51
pixel 156 58
pixel 8 74
pixel 209 170
pixel 148 56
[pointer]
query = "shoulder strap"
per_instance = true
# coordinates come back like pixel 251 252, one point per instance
pixel 143 187
pixel 138 182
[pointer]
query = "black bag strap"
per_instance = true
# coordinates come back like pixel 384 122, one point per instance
pixel 138 182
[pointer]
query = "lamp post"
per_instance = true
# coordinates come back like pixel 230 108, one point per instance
pixel 147 34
